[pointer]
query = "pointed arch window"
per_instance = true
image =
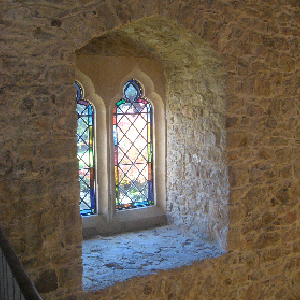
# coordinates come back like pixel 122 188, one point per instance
pixel 133 148
pixel 85 153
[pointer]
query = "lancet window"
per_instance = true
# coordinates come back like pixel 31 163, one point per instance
pixel 133 148
pixel 85 153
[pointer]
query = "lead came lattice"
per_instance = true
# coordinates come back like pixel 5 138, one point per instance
pixel 132 132
pixel 85 153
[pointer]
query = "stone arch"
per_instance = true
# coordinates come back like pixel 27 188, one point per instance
pixel 197 184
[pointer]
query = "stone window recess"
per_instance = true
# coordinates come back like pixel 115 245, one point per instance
pixel 187 94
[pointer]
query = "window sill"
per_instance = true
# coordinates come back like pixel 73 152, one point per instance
pixel 124 221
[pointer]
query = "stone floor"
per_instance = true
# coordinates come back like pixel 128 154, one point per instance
pixel 107 260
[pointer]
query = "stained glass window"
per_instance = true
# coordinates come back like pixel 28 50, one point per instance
pixel 133 147
pixel 85 153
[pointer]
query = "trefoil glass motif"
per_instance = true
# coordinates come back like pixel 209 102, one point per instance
pixel 85 153
pixel 133 146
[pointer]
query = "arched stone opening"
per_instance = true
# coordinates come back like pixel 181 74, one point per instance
pixel 39 167
pixel 189 76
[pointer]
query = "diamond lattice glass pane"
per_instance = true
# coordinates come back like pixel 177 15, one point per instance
pixel 132 119
pixel 85 154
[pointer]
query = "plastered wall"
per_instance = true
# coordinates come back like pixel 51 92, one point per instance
pixel 259 44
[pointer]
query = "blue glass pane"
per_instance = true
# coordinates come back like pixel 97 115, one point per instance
pixel 79 91
pixel 130 92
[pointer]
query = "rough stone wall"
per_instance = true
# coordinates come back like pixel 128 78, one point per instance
pixel 260 43
pixel 38 178
pixel 197 182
